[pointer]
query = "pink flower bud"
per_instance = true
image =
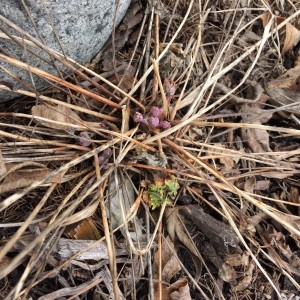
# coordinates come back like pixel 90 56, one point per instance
pixel 106 152
pixel 85 139
pixel 101 159
pixel 138 117
pixel 164 124
pixel 153 122
pixel 170 89
pixel 156 112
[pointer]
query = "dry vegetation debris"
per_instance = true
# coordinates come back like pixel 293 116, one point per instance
pixel 166 169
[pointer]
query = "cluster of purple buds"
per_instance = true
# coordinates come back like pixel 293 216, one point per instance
pixel 154 120
pixel 104 158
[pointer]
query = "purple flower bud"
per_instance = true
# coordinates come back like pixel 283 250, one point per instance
pixel 85 139
pixel 105 166
pixel 170 89
pixel 156 112
pixel 153 122
pixel 138 117
pixel 101 159
pixel 106 152
pixel 164 124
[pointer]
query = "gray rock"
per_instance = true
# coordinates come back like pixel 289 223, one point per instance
pixel 83 26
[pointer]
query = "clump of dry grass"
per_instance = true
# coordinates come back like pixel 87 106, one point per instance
pixel 234 154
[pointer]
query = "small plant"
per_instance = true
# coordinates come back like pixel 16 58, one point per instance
pixel 163 193
pixel 155 116
pixel 154 120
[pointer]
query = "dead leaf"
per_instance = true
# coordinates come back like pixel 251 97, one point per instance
pixel 169 262
pixel 227 273
pixel 290 219
pixel 262 185
pixel 225 159
pixel 246 281
pixel 177 231
pixel 291 32
pixel 24 177
pixel 249 184
pixel 280 174
pixel 288 80
pixel 58 113
pixel 218 235
pixel 237 259
pixel 121 201
pixel 257 139
pixel 86 230
pixel 285 91
pixel 227 162
pixel 180 290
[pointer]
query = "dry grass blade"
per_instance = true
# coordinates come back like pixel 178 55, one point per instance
pixel 176 150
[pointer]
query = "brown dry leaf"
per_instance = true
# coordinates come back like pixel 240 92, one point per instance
pixel 246 281
pixel 176 229
pixel 24 177
pixel 170 264
pixel 170 62
pixel 257 139
pixel 227 162
pixel 285 90
pixel 291 32
pixel 288 80
pixel 288 218
pixel 58 113
pixel 2 165
pixel 225 159
pixel 280 174
pixel 237 259
pixel 262 185
pixel 278 241
pixel 249 184
pixel 180 290
pixel 227 273
pixel 86 230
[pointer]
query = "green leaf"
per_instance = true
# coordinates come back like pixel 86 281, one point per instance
pixel 172 186
pixel 160 194
pixel 157 195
